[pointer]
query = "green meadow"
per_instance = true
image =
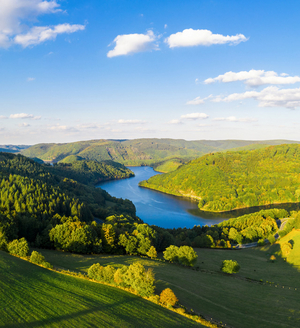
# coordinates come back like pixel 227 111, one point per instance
pixel 262 294
pixel 32 296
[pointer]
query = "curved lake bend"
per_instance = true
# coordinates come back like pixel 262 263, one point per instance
pixel 154 207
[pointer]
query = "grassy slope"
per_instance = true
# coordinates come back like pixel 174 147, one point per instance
pixel 35 297
pixel 227 181
pixel 233 300
pixel 137 151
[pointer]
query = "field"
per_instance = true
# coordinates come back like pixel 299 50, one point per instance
pixel 262 294
pixel 32 296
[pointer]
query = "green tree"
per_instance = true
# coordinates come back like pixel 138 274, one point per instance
pixel 187 256
pixel 230 266
pixel 171 253
pixel 18 247
pixel 152 253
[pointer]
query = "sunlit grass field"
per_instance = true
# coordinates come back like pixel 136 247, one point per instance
pixel 31 296
pixel 262 294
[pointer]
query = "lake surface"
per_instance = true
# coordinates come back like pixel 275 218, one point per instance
pixel 154 207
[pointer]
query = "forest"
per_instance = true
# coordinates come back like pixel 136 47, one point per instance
pixel 231 180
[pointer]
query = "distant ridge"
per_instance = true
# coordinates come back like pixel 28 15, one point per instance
pixel 141 151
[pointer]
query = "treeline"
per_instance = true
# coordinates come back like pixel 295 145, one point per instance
pixel 232 180
pixel 244 229
pixel 92 172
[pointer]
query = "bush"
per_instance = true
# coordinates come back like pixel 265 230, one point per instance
pixel 167 297
pixel 18 247
pixel 184 255
pixel 38 258
pixel 271 239
pixel 230 266
pixel 261 242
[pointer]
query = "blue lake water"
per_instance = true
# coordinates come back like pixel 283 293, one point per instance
pixel 160 209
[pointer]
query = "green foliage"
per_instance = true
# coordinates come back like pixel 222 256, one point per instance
pixel 135 276
pixel 231 180
pixel 152 253
pixel 230 266
pixel 91 172
pixel 38 258
pixel 18 247
pixel 184 255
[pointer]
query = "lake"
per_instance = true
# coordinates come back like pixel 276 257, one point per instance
pixel 157 208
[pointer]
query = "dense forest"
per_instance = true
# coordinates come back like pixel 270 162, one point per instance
pixel 232 180
pixel 92 172
pixel 140 151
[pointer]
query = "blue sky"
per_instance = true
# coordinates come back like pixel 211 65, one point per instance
pixel 80 70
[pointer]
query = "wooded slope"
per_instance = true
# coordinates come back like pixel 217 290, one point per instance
pixel 231 180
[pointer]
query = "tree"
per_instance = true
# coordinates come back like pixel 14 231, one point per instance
pixel 230 266
pixel 171 253
pixel 18 247
pixel 167 297
pixel 152 252
pixel 187 256
pixel 37 258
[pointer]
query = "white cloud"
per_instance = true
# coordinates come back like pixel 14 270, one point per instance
pixel 194 116
pixel 131 43
pixel 165 26
pixel 131 121
pixel 175 122
pixel 235 119
pixel 255 78
pixel 24 125
pixel 24 116
pixel 13 17
pixel 269 97
pixel 196 101
pixel 30 79
pixel 190 38
pixel 2 117
pixel 39 34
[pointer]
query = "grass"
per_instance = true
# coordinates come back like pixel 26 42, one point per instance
pixel 32 296
pixel 262 294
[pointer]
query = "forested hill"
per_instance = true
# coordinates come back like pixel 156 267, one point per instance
pixel 231 180
pixel 138 151
pixel 33 200
pixel 92 172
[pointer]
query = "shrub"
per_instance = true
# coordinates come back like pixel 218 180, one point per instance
pixel 272 258
pixel 18 247
pixel 167 297
pixel 271 239
pixel 3 241
pixel 37 258
pixel 261 242
pixel 230 266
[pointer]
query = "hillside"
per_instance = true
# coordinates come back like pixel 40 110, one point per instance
pixel 262 294
pixel 231 180
pixel 32 296
pixel 91 172
pixel 138 151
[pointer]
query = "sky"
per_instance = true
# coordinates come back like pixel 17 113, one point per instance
pixel 125 69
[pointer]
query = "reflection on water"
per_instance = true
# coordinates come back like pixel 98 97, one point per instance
pixel 157 208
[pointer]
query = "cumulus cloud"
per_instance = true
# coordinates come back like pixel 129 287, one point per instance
pixel 15 13
pixel 121 121
pixel 269 97
pixel 190 38
pixel 39 34
pixel 194 116
pixel 255 78
pixel 131 43
pixel 235 119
